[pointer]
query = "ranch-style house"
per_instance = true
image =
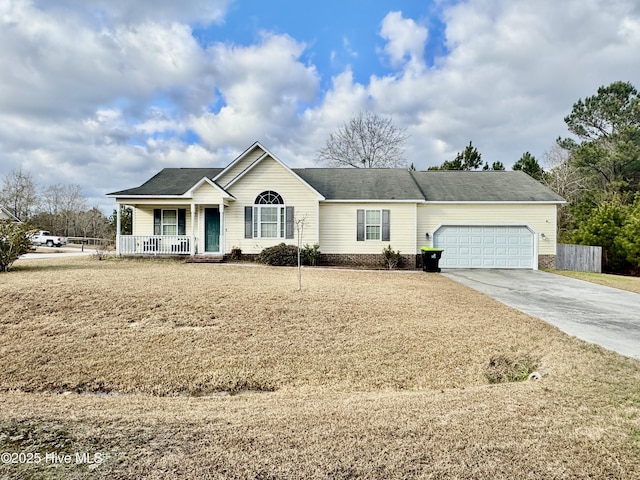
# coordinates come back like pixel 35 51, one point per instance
pixel 494 219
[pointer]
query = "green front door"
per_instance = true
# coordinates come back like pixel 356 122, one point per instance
pixel 211 230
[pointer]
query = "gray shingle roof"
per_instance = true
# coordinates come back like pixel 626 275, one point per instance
pixel 362 183
pixel 171 181
pixel 378 184
pixel 500 186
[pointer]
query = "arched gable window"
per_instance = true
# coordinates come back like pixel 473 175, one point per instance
pixel 269 216
pixel 269 198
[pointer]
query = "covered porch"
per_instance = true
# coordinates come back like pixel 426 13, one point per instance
pixel 170 229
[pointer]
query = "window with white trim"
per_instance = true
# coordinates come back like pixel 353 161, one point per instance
pixel 269 216
pixel 373 224
pixel 169 222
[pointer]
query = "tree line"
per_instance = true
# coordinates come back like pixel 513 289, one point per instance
pixel 60 208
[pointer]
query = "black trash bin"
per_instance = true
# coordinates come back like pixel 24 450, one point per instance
pixel 430 259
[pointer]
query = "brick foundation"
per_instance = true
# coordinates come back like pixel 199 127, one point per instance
pixel 368 260
pixel 374 260
pixel 546 261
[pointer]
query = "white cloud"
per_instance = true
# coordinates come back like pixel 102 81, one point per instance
pixel 136 11
pixel 405 40
pixel 108 89
pixel 262 87
pixel 56 65
pixel 513 71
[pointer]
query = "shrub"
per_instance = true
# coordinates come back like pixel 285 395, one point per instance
pixel 390 258
pixel 14 241
pixel 310 255
pixel 279 255
pixel 236 254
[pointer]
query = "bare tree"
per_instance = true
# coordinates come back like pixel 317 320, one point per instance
pixel 92 223
pixel 368 140
pixel 49 210
pixel 562 176
pixel 18 194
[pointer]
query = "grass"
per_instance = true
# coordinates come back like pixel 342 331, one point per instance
pixel 631 284
pixel 172 370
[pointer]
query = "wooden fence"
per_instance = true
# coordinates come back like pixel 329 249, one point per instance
pixel 580 258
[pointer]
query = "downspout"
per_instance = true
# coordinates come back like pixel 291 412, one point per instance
pixel 415 228
pixel 318 222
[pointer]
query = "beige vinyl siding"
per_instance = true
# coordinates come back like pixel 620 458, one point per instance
pixel 540 217
pixel 270 175
pixel 239 167
pixel 338 228
pixel 143 218
pixel 207 194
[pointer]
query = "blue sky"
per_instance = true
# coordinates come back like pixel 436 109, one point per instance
pixel 104 93
pixel 338 34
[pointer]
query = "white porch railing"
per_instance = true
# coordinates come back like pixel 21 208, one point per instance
pixel 156 245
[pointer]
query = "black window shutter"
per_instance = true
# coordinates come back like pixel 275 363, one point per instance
pixel 289 222
pixel 360 226
pixel 157 221
pixel 386 226
pixel 248 222
pixel 182 221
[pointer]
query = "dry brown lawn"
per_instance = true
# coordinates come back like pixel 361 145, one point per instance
pixel 632 284
pixel 173 370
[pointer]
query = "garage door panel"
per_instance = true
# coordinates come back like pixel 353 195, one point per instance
pixel 485 246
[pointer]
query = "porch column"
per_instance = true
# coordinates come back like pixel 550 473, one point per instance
pixel 192 244
pixel 118 226
pixel 222 230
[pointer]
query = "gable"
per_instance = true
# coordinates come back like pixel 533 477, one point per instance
pixel 240 164
pixel 207 191
pixel 255 157
pixel 269 174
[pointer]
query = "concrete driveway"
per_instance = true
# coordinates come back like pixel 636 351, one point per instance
pixel 55 252
pixel 606 316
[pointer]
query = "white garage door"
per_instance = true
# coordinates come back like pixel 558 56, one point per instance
pixel 476 246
